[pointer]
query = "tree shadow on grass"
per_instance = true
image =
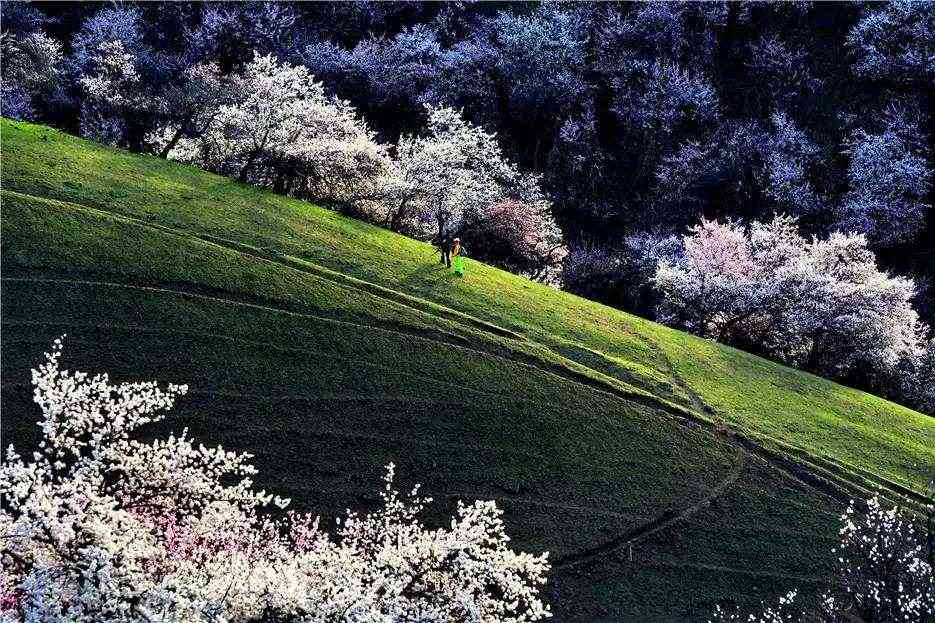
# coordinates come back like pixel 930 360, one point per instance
pixel 427 277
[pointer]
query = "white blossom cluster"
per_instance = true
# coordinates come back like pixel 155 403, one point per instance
pixel 819 304
pixel 110 81
pixel 889 180
pixel 32 70
pixel 108 54
pixel 788 156
pixel 273 125
pixel 883 566
pixel 97 526
pixel 883 574
pixel 896 41
pixel 785 611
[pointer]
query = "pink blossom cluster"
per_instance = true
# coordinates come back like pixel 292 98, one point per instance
pixel 820 304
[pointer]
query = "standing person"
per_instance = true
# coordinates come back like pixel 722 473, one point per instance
pixel 458 254
pixel 444 248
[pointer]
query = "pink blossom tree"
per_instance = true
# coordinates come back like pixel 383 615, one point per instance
pixel 819 304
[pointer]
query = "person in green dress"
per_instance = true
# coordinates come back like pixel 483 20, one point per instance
pixel 457 257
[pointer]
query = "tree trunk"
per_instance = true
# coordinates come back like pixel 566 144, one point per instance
pixel 279 186
pixel 814 356
pixel 248 165
pixel 442 222
pixel 171 144
pixel 397 218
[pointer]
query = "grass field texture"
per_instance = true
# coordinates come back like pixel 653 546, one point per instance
pixel 664 473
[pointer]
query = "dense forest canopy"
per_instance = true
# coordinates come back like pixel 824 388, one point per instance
pixel 620 124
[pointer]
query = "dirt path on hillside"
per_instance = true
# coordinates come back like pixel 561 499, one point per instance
pixel 660 523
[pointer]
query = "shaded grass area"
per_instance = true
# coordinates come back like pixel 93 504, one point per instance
pixel 765 533
pixel 325 404
pixel 328 347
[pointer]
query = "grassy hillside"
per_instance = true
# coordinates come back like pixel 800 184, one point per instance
pixel 664 473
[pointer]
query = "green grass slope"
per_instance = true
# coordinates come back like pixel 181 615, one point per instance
pixel 664 473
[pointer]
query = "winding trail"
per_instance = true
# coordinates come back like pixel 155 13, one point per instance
pixel 544 369
pixel 802 472
pixel 660 523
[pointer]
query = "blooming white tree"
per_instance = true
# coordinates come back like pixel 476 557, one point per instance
pixel 820 304
pixel 788 156
pixel 453 168
pixel 98 526
pixel 32 73
pixel 114 23
pixel 889 180
pixel 279 130
pixel 884 567
pixel 111 86
pixel 883 574
pixel 455 178
pixel 861 316
pixel 709 288
pixel 108 55
pixel 895 41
